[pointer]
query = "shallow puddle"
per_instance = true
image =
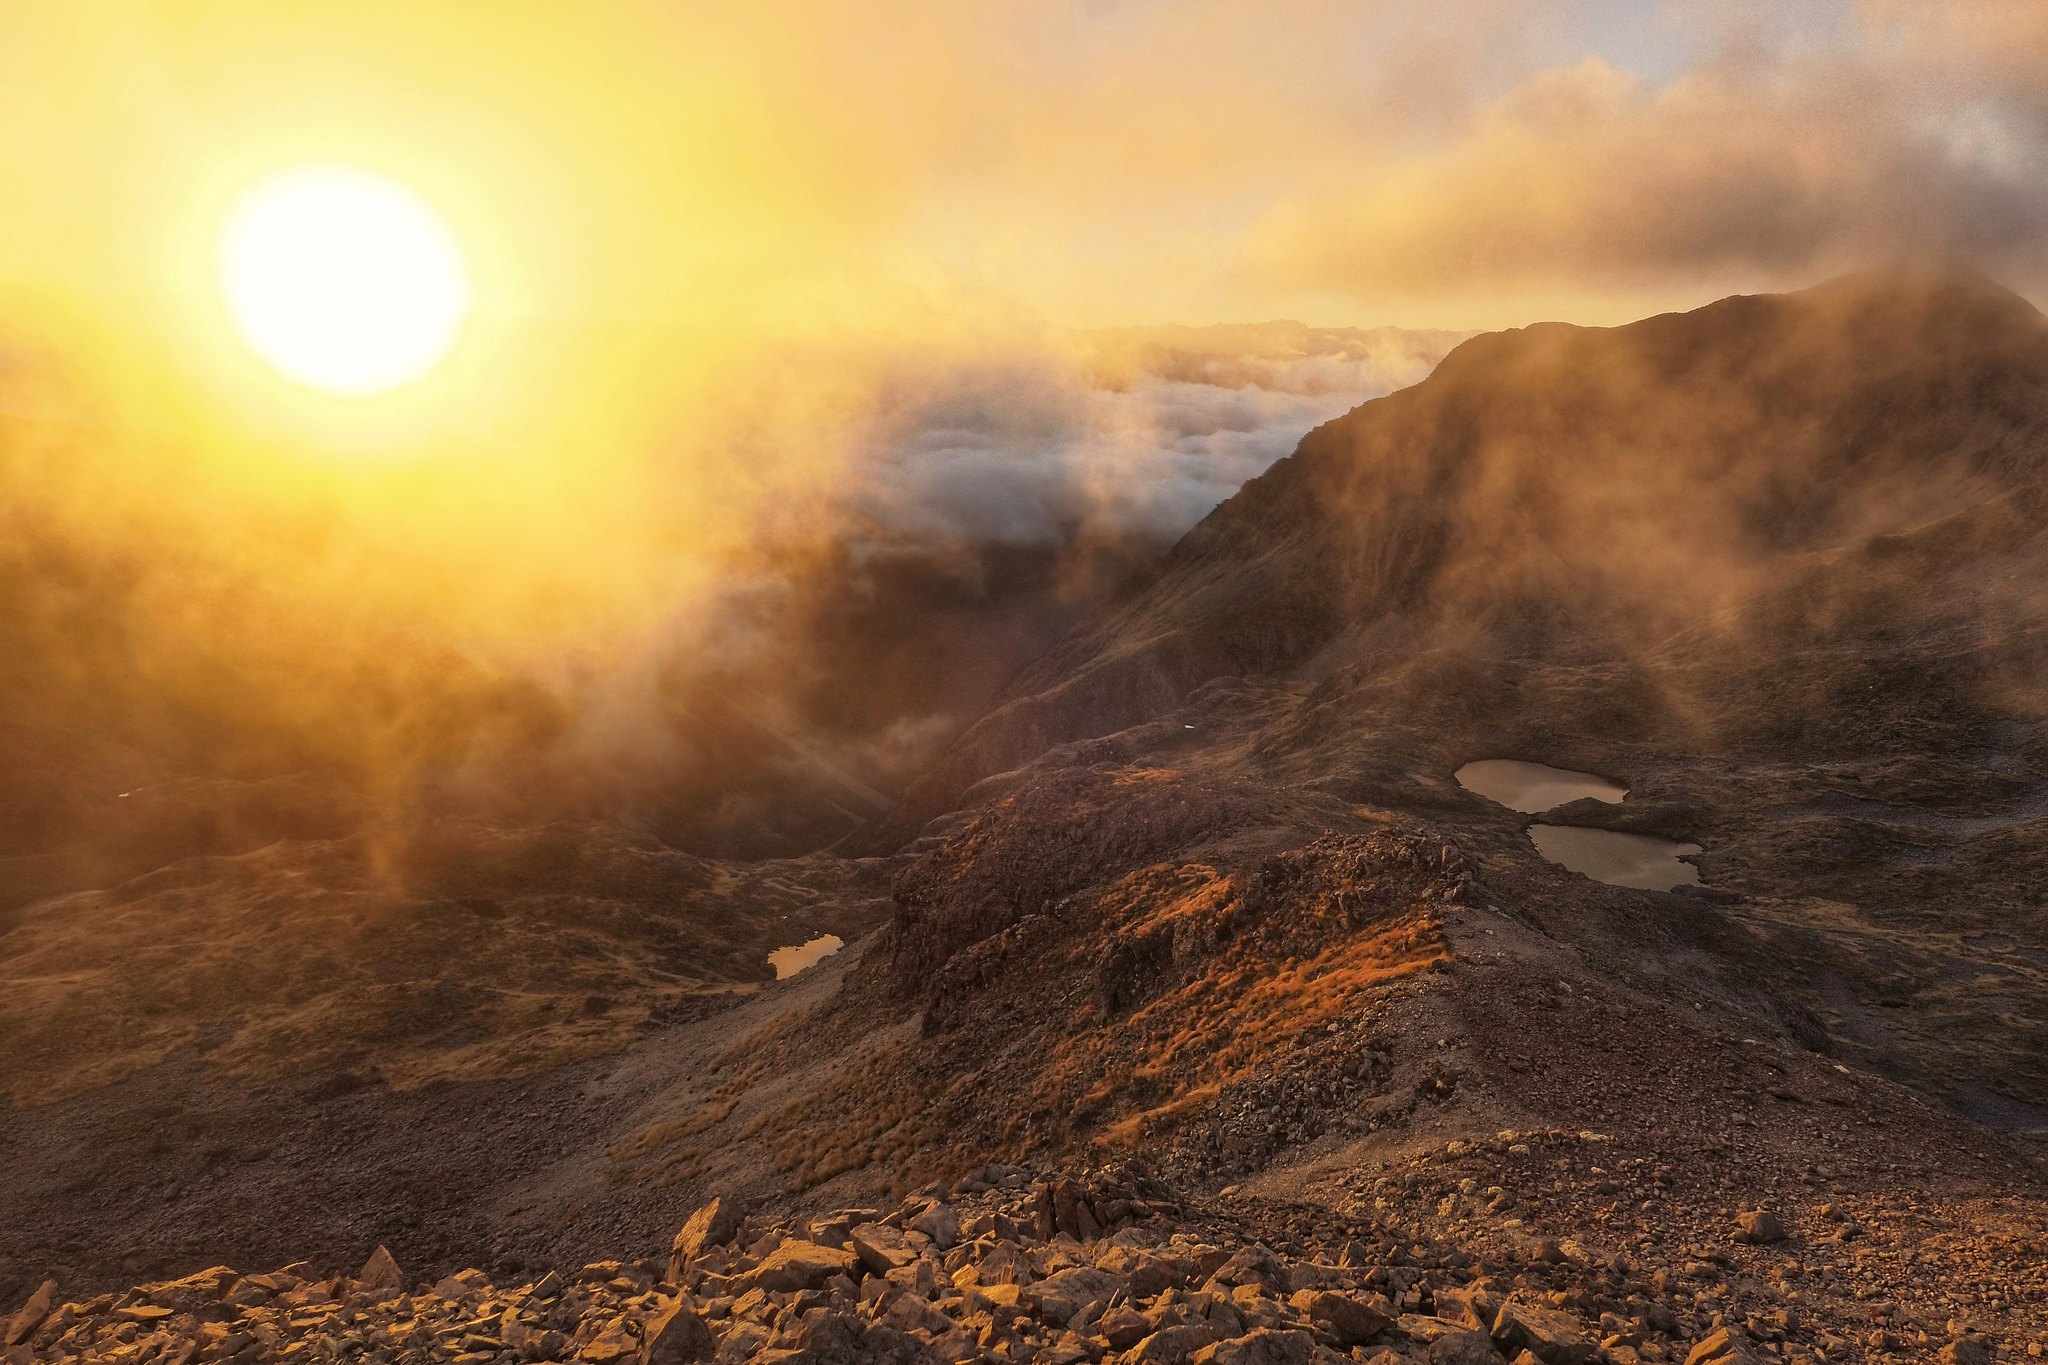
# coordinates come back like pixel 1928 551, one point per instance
pixel 1533 788
pixel 1641 861
pixel 787 962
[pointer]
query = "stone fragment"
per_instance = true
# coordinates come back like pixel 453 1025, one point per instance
pixel 939 1222
pixel 1461 1347
pixel 613 1342
pixel 198 1292
pixel 1123 1327
pixel 712 1225
pixel 827 1333
pixel 1472 1307
pixel 1059 1296
pixel 1064 1206
pixel 1759 1227
pixel 380 1271
pixel 144 1312
pixel 1171 1345
pixel 1352 1321
pixel 1254 1265
pixel 30 1315
pixel 829 1231
pixel 1550 1334
pixel 797 1265
pixel 1260 1346
pixel 1147 1273
pixel 743 1341
pixel 880 1248
pixel 459 1285
pixel 1723 1346
pixel 675 1336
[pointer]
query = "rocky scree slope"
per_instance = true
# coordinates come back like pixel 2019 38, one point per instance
pixel 1107 1266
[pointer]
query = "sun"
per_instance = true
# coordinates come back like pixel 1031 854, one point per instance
pixel 342 279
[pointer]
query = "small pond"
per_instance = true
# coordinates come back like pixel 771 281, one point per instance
pixel 1533 788
pixel 788 961
pixel 1642 861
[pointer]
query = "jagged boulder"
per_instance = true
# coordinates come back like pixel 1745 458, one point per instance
pixel 380 1272
pixel 1064 1207
pixel 1462 1348
pixel 1260 1346
pixel 798 1265
pixel 1759 1227
pixel 1350 1320
pixel 1252 1265
pixel 1724 1346
pixel 676 1336
pixel 1060 1296
pixel 1122 1327
pixel 1551 1335
pixel 199 1292
pixel 1147 1273
pixel 879 1247
pixel 1172 1345
pixel 940 1222
pixel 30 1315
pixel 712 1225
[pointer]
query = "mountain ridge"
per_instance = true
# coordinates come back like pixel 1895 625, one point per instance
pixel 1282 540
pixel 1206 891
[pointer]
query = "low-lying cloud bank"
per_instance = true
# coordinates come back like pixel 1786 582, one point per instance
pixel 1133 435
pixel 984 508
pixel 768 676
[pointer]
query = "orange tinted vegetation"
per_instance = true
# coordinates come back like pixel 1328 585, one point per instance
pixel 1141 1014
pixel 1165 1008
pixel 1224 1024
pixel 863 1128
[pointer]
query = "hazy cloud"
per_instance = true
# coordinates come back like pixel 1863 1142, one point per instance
pixel 1916 133
pixel 1131 434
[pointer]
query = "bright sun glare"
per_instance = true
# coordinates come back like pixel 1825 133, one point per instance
pixel 345 281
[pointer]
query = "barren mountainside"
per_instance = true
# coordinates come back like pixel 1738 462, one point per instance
pixel 1193 1009
pixel 1800 462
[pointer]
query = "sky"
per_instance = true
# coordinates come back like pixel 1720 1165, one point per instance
pixel 1088 162
pixel 716 248
pixel 765 293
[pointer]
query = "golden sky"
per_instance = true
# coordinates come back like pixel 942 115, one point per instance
pixel 700 233
pixel 1087 161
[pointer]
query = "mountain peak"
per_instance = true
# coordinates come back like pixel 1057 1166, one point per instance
pixel 1592 489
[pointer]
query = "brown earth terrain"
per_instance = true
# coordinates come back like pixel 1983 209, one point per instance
pixel 1199 913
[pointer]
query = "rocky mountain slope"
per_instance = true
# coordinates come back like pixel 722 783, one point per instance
pixel 1001 1266
pixel 1201 899
pixel 1776 565
pixel 1767 475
